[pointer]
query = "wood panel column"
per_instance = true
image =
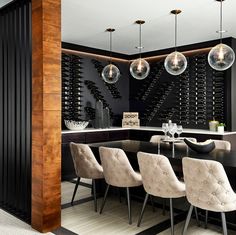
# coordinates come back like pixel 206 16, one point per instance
pixel 46 115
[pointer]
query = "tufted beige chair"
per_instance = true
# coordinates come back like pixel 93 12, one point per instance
pixel 208 187
pixel 159 180
pixel 118 172
pixel 156 138
pixel 222 144
pixel 86 166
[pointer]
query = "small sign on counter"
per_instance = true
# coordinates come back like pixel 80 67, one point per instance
pixel 130 119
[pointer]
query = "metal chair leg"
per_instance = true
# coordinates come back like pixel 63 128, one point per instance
pixel 143 208
pixel 196 214
pixel 119 194
pixel 75 190
pixel 129 206
pixel 104 199
pixel 94 195
pixel 152 202
pixel 188 219
pixel 171 216
pixel 206 219
pixel 224 225
pixel 164 207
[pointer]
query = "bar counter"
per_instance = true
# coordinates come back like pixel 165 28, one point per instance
pixel 145 128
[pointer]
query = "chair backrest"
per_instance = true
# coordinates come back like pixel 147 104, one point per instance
pixel 207 185
pixel 117 169
pixel 158 176
pixel 85 163
pixel 222 144
pixel 156 138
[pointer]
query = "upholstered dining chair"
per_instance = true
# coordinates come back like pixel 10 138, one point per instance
pixel 208 188
pixel 86 166
pixel 159 180
pixel 156 138
pixel 118 172
pixel 222 144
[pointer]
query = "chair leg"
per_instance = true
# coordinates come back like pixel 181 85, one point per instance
pixel 206 219
pixel 119 194
pixel 224 225
pixel 171 216
pixel 196 214
pixel 164 207
pixel 94 195
pixel 143 208
pixel 129 205
pixel 104 199
pixel 75 190
pixel 188 219
pixel 152 202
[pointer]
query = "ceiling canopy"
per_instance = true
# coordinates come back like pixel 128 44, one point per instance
pixel 84 22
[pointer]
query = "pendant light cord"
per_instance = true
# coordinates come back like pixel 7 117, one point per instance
pixel 221 20
pixel 110 47
pixel 140 40
pixel 176 32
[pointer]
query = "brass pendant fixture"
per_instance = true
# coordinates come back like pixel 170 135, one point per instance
pixel 140 68
pixel 110 73
pixel 176 62
pixel 221 56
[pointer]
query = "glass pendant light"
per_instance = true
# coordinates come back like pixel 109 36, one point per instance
pixel 139 68
pixel 176 62
pixel 221 56
pixel 110 73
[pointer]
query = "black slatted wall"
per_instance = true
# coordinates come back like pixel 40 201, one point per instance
pixel 15 108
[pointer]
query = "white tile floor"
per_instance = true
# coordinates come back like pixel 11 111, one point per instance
pixel 83 220
pixel 9 225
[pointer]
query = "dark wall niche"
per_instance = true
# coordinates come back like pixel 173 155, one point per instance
pixel 191 99
pixel 83 86
pixel 15 109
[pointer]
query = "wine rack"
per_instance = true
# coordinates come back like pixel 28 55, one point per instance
pixel 94 90
pixel 111 87
pixel 191 99
pixel 71 87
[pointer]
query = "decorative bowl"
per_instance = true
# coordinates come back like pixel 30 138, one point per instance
pixel 201 147
pixel 76 125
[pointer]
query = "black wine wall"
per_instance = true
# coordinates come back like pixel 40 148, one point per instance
pixel 83 86
pixel 192 99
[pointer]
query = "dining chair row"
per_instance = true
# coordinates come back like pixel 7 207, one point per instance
pixel 158 179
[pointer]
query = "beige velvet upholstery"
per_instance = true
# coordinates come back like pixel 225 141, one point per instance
pixel 207 185
pixel 85 163
pixel 117 169
pixel 158 176
pixel 222 144
pixel 156 138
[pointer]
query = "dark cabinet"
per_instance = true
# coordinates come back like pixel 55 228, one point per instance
pixel 67 165
pixel 118 135
pixel 143 135
pixel 99 136
pixel 73 137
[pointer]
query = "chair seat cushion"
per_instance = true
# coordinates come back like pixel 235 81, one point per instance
pixel 201 147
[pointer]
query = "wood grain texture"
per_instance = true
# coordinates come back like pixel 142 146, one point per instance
pixel 46 115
